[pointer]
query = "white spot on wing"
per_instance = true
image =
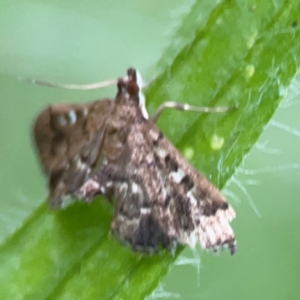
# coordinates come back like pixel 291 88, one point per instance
pixel 134 188
pixel 161 153
pixel 178 175
pixel 109 184
pixel 72 116
pixel 145 211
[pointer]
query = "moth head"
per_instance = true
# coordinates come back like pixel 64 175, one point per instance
pixel 131 86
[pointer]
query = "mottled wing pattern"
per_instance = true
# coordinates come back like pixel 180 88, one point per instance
pixel 69 140
pixel 134 222
pixel 164 200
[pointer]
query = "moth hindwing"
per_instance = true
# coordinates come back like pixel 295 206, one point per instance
pixel 111 147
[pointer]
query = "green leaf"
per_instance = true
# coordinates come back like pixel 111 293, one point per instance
pixel 224 53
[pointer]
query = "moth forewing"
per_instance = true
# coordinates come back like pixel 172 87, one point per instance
pixel 111 148
pixel 182 200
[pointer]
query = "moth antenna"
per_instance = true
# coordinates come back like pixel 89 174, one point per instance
pixel 66 86
pixel 187 107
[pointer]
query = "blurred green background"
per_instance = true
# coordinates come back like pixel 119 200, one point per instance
pixel 88 41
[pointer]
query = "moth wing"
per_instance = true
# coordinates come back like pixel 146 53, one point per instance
pixel 69 140
pixel 168 197
pixel 200 212
pixel 134 221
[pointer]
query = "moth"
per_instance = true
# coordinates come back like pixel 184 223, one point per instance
pixel 112 148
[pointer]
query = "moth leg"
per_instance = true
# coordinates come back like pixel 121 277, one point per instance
pixel 187 107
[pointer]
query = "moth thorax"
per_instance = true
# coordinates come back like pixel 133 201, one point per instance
pixel 130 88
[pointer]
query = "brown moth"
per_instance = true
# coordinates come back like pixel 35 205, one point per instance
pixel 112 148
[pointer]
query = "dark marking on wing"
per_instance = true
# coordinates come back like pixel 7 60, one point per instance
pixel 187 183
pixel 171 164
